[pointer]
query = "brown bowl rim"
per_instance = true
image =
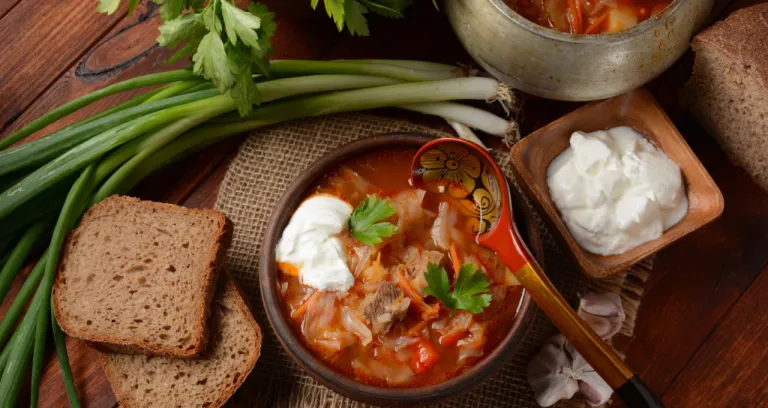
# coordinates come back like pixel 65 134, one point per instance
pixel 305 358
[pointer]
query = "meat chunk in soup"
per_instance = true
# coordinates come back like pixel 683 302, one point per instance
pixel 416 261
pixel 385 307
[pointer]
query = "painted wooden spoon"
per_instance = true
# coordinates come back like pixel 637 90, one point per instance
pixel 469 174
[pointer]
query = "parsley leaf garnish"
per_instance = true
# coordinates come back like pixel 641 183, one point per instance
pixel 353 15
pixel 349 13
pixel 211 61
pixel 470 291
pixel 228 45
pixel 364 222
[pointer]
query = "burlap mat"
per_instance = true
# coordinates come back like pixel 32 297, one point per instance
pixel 265 165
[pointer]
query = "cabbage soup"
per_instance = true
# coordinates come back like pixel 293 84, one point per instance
pixel 385 283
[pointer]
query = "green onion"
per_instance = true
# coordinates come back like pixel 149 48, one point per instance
pixel 19 351
pixel 158 140
pixel 286 87
pixel 465 132
pixel 368 98
pixel 282 68
pixel 136 100
pixel 73 208
pixel 60 343
pixel 19 256
pixel 51 146
pixel 411 64
pixel 5 242
pixel 76 104
pixel 189 143
pixel 203 86
pixel 47 203
pixel 174 89
pixel 90 150
pixel 29 320
pixel 20 301
pixel 468 115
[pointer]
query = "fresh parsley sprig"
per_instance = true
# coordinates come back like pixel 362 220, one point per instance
pixel 470 291
pixel 351 13
pixel 365 222
pixel 228 45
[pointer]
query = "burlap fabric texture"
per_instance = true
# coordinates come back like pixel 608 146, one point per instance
pixel 267 162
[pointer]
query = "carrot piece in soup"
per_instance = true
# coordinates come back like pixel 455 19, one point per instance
pixel 455 260
pixel 578 17
pixel 288 269
pixel 598 22
pixel 303 308
pixel 418 327
pixel 425 356
pixel 405 285
pixel 575 21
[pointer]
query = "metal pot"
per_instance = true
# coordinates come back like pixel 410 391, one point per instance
pixel 573 67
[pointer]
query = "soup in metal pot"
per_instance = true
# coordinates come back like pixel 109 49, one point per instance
pixel 588 16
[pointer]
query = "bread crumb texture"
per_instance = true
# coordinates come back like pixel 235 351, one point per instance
pixel 141 275
pixel 728 92
pixel 208 380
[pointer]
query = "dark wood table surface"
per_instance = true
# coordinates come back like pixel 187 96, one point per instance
pixel 701 338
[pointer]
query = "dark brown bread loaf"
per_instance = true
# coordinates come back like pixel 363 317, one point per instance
pixel 208 380
pixel 728 92
pixel 139 276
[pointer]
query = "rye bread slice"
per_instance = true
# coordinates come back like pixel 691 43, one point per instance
pixel 208 380
pixel 728 92
pixel 138 277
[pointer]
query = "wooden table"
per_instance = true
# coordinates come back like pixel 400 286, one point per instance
pixel 701 338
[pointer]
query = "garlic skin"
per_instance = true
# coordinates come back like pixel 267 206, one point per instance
pixel 591 385
pixel 603 312
pixel 549 373
pixel 558 371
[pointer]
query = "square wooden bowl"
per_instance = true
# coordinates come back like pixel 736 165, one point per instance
pixel 638 109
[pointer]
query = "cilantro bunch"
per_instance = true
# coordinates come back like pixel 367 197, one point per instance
pixel 228 45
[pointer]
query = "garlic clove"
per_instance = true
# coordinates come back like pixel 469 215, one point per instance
pixel 550 374
pixel 591 385
pixel 603 312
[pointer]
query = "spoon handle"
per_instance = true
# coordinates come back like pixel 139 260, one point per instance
pixel 594 350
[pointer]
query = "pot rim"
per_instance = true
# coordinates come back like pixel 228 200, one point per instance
pixel 300 353
pixel 609 38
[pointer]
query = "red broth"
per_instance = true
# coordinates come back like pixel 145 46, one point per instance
pixel 588 16
pixel 423 348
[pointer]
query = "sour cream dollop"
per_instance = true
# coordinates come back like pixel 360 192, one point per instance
pixel 616 190
pixel 308 243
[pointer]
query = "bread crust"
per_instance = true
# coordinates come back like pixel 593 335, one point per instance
pixel 127 401
pixel 739 37
pixel 218 238
pixel 728 91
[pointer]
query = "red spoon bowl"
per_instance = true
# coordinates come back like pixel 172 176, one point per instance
pixel 469 175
